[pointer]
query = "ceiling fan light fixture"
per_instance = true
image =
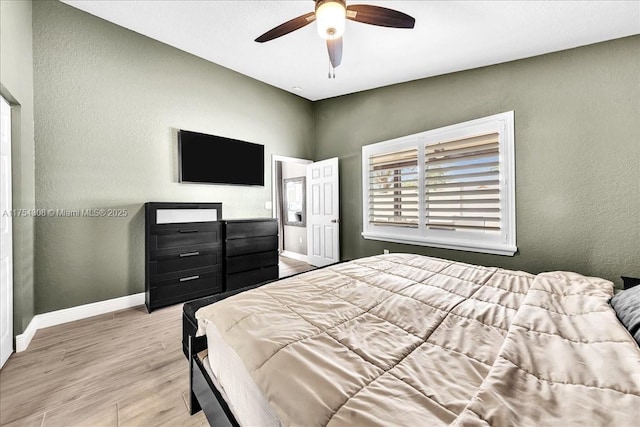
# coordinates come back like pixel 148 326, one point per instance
pixel 331 17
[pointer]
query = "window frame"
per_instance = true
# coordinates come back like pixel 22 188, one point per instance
pixel 504 244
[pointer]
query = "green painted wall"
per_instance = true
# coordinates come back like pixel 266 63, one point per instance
pixel 577 124
pixel 16 86
pixel 108 104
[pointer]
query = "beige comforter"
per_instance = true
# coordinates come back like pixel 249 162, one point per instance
pixel 410 340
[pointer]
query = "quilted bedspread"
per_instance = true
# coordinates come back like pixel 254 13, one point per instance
pixel 410 340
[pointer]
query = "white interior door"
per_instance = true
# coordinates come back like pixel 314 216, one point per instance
pixel 323 208
pixel 6 258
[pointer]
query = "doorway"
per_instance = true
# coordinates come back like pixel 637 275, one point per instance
pixel 306 201
pixel 289 205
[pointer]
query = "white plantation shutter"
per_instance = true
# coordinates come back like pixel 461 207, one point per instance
pixel 451 187
pixel 462 184
pixel 393 188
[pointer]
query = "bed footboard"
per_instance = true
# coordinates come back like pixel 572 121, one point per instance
pixel 205 396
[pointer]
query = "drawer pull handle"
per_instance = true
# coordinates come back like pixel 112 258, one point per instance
pixel 186 279
pixel 188 231
pixel 189 254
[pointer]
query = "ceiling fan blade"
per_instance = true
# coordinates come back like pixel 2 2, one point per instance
pixel 287 27
pixel 380 16
pixel 334 46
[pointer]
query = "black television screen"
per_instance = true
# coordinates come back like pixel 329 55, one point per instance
pixel 218 160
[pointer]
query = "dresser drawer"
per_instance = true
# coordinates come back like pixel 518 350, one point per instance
pixel 186 228
pixel 185 260
pixel 187 235
pixel 252 277
pixel 162 215
pixel 186 288
pixel 252 245
pixel 242 229
pixel 250 262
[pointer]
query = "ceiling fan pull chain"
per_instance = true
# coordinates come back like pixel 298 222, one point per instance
pixel 332 72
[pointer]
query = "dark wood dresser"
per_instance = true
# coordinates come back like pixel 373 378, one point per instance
pixel 251 252
pixel 190 252
pixel 183 252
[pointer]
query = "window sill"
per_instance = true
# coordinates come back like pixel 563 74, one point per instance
pixel 469 246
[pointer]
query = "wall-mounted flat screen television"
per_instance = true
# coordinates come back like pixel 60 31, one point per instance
pixel 217 160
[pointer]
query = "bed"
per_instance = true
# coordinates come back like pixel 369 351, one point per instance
pixel 404 339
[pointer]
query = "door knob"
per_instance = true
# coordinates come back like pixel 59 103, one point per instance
pixel 337 221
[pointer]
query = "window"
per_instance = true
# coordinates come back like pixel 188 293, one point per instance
pixel 452 187
pixel 393 192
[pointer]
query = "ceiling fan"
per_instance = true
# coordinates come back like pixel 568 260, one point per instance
pixel 331 15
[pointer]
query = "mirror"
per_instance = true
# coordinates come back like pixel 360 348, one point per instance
pixel 294 201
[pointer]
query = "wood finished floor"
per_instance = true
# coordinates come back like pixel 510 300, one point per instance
pixel 289 266
pixel 118 369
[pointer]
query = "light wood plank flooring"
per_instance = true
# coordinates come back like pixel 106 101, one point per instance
pixel 289 266
pixel 118 369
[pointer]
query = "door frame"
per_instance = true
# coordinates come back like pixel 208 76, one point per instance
pixel 7 347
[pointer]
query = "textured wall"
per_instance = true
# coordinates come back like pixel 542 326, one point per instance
pixel 16 79
pixel 577 116
pixel 108 104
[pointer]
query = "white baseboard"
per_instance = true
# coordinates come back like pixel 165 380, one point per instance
pixel 66 315
pixel 23 340
pixel 295 255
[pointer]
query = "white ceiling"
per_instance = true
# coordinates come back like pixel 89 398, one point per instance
pixel 449 36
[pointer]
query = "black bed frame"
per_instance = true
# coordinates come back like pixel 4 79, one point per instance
pixel 203 393
pixel 205 396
